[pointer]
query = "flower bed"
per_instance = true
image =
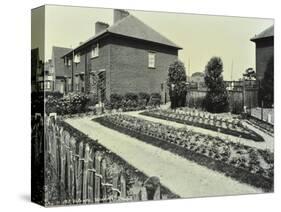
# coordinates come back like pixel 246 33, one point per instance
pixel 246 164
pixel 206 120
pixel 262 125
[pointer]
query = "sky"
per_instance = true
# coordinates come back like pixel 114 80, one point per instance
pixel 200 36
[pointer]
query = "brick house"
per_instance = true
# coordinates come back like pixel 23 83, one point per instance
pixel 60 74
pixel 128 56
pixel 264 50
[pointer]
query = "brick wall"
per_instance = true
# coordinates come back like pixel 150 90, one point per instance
pixel 264 51
pixel 129 66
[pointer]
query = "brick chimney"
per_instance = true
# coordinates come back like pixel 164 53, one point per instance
pixel 119 14
pixel 100 26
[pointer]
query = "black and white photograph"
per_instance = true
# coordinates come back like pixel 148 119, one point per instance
pixel 135 105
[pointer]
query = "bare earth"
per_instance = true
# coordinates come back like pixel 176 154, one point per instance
pixel 267 144
pixel 181 176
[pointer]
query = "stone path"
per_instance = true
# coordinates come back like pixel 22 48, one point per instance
pixel 181 176
pixel 267 144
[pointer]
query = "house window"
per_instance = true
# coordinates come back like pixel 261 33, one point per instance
pixel 76 58
pixel 95 51
pixel 151 59
pixel 76 83
pixel 69 84
pixel 68 62
pixel 47 85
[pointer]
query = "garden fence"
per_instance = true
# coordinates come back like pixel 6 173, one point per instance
pixel 81 172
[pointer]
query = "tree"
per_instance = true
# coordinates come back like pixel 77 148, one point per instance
pixel 249 74
pixel 267 85
pixel 177 84
pixel 216 99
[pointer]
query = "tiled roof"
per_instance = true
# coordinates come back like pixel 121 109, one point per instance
pixel 58 62
pixel 269 32
pixel 131 26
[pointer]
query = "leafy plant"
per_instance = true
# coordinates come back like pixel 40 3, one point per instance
pixel 177 84
pixel 216 99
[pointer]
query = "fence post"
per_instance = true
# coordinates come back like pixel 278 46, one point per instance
pixel 79 173
pixel 103 180
pixel 115 180
pixel 136 190
pixel 152 186
pixel 97 176
pixel 62 166
pixel 67 165
pixel 123 186
pixel 91 176
pixel 143 192
pixel 85 174
pixel 72 167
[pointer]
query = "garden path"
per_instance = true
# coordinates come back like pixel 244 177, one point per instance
pixel 183 177
pixel 267 144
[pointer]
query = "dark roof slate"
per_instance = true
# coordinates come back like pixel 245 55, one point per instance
pixel 268 32
pixel 130 26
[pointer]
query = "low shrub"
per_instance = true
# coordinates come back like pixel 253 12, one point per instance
pixel 69 104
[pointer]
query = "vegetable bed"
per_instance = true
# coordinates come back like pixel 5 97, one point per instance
pixel 245 164
pixel 205 120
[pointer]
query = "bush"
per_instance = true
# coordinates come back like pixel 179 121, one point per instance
pixel 131 97
pixel 115 101
pixel 177 84
pixel 70 104
pixel 216 99
pixel 144 96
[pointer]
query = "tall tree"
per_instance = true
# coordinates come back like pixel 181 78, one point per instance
pixel 216 99
pixel 177 84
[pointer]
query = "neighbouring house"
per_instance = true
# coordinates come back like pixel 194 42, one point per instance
pixel 264 50
pixel 35 68
pixel 41 73
pixel 61 76
pixel 128 56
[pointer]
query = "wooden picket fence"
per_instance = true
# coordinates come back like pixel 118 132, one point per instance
pixel 82 172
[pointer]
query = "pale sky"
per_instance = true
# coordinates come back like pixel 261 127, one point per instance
pixel 200 36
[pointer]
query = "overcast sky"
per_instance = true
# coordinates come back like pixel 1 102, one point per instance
pixel 200 36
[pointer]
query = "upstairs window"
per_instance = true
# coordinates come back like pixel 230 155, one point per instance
pixel 76 58
pixel 95 51
pixel 151 59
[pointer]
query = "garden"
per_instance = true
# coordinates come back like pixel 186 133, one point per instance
pixel 243 163
pixel 216 122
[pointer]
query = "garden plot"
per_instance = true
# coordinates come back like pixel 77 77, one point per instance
pixel 244 163
pixel 226 125
pixel 183 177
pixel 268 143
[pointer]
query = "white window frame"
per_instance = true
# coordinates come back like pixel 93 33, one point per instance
pixel 151 59
pixel 95 51
pixel 65 61
pixel 68 62
pixel 76 58
pixel 47 85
